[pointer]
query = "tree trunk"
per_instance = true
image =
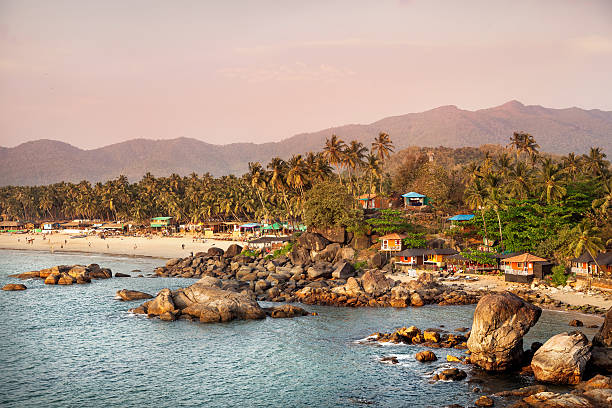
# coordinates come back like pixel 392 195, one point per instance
pixel 501 237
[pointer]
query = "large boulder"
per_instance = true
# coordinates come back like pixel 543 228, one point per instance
pixel 328 254
pixel 163 303
pixel 333 234
pixel 285 311
pixel 214 251
pixel 601 359
pixel 299 256
pixel 604 337
pixel 233 250
pixel 500 322
pixel 312 241
pixel 375 283
pixel 14 286
pixel 361 242
pixel 345 254
pixel 378 260
pixel 343 270
pixel 562 359
pixel 128 295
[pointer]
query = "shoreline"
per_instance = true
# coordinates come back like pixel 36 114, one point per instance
pixel 153 247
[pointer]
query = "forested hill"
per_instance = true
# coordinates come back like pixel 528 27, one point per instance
pixel 556 130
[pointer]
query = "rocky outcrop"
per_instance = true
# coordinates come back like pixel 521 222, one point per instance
pixel 68 274
pixel 232 251
pixel 344 270
pixel 425 356
pixel 604 337
pixel 500 322
pixel 375 283
pixel 14 286
pixel 562 359
pixel 129 295
pixel 214 251
pixel 209 300
pixel 312 241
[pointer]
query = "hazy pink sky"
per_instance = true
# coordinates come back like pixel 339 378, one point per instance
pixel 93 73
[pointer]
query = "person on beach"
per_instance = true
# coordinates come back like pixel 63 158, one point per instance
pixel 183 246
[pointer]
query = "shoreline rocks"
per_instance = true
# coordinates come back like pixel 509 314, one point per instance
pixel 562 359
pixel 14 287
pixel 129 295
pixel 67 274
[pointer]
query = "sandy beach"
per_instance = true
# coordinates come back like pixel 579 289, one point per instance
pixel 159 247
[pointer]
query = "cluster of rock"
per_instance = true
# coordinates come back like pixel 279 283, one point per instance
pixel 538 298
pixel 434 338
pixel 67 274
pixel 210 300
pixel 316 271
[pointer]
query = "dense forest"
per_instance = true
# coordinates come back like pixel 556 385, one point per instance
pixel 523 199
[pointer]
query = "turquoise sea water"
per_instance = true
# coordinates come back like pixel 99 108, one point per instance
pixel 77 346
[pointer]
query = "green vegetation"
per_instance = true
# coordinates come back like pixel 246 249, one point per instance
pixel 414 240
pixel 388 222
pixel 480 257
pixel 359 265
pixel 558 276
pixel 327 204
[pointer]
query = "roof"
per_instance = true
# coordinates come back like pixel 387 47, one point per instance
pixel 462 217
pixel 412 194
pixel 584 258
pixel 161 218
pixel 526 257
pixel 250 225
pixel 393 235
pixel 365 197
pixel 10 223
pixel 605 258
pixel 427 251
pixel 442 251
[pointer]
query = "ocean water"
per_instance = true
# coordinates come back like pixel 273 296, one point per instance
pixel 77 346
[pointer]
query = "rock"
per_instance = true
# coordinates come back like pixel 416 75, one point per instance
pixel 328 254
pixel 162 303
pixel 416 300
pixel 344 270
pixel 353 287
pixel 232 251
pixel 500 322
pixel 425 356
pixel 14 286
pixel 51 279
pixel 484 401
pixel 375 283
pixel 299 256
pixel 100 273
pixel 452 374
pixel 261 286
pixel 337 235
pixel 562 359
pixel 553 400
pixel 65 279
pixel 26 275
pixel 389 359
pixel 346 254
pixel 360 243
pixel 523 392
pixel 601 397
pixel 601 359
pixel 378 260
pixel 604 337
pixel 576 323
pixel 312 241
pixel 597 382
pixel 127 295
pixel 167 316
pixel 214 251
pixel 122 275
pixel 315 273
pixel 170 263
pixel 77 270
pixel 452 359
pixel 431 336
pixel 285 311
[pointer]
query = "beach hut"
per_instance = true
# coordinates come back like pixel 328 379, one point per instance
pixel 249 227
pixel 437 256
pixel 161 222
pixel 522 269
pixel 411 257
pixel 392 242
pixel 11 226
pixel 373 201
pixel 585 265
pixel 415 200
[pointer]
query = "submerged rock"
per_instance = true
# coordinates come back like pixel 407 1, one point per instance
pixel 425 356
pixel 604 337
pixel 128 295
pixel 284 311
pixel 562 359
pixel 14 286
pixel 500 322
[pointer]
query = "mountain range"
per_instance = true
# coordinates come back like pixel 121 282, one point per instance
pixel 556 130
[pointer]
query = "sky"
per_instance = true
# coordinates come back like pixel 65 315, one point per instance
pixel 93 73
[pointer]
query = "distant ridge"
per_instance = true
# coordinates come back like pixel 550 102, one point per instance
pixel 556 130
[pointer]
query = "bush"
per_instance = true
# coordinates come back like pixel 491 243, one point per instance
pixel 251 253
pixel 558 276
pixel 328 204
pixel 359 265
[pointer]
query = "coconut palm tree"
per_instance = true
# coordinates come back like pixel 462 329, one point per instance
pixel 523 142
pixel 382 147
pixel 503 163
pixel 519 180
pixel 476 197
pixel 353 159
pixel 495 199
pixel 372 166
pixel 604 203
pixel 572 165
pixel 334 153
pixel 596 161
pixel 584 238
pixel 550 179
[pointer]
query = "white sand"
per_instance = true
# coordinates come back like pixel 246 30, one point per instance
pixel 159 247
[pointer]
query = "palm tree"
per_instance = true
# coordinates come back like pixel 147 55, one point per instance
pixel 257 177
pixel 523 142
pixel 382 147
pixel 372 165
pixel 550 179
pixel 495 199
pixel 572 165
pixel 353 158
pixel 519 180
pixel 296 173
pixel 476 197
pixel 585 239
pixel 503 163
pixel 603 203
pixel 596 161
pixel 334 152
